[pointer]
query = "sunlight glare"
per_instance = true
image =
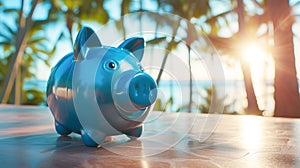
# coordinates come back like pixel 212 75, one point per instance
pixel 251 128
pixel 254 54
pixel 260 61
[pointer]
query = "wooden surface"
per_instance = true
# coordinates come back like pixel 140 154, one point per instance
pixel 28 139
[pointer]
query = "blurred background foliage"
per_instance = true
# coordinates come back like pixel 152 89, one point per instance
pixel 24 40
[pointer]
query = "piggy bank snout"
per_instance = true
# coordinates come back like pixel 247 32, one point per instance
pixel 142 90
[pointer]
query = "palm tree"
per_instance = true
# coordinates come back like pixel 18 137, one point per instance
pixel 125 5
pixel 28 47
pixel 24 25
pixel 35 47
pixel 74 13
pixel 252 107
pixel 287 101
pixel 188 10
pixel 231 46
pixel 278 13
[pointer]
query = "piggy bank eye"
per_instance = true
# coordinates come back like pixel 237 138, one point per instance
pixel 111 65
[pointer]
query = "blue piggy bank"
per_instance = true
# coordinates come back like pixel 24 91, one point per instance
pixel 99 91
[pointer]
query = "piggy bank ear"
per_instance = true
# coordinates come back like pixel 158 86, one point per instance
pixel 85 38
pixel 135 45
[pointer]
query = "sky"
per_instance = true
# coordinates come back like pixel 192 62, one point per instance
pixel 64 47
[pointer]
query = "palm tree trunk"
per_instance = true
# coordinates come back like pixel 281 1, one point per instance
pixel 168 49
pixel 190 80
pixel 70 23
pixel 18 88
pixel 21 40
pixel 140 17
pixel 252 107
pixel 124 5
pixel 286 95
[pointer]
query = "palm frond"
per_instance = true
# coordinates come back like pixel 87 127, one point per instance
pixel 11 32
pixel 11 10
pixel 156 41
pixel 37 40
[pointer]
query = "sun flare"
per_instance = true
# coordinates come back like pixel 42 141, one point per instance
pixel 257 58
pixel 253 54
pixel 261 63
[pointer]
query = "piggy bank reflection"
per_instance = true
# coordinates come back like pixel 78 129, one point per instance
pixel 113 78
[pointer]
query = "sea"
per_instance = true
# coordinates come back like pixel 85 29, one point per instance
pixel 175 95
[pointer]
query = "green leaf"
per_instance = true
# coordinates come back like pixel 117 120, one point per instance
pixel 6 37
pixel 60 37
pixel 173 45
pixel 47 63
pixel 11 10
pixel 8 29
pixel 156 41
pixel 37 40
pixel 214 18
pixel 43 46
pixel 33 97
pixel 39 24
pixel 125 7
pixel 37 50
pixel 5 43
pixel 8 47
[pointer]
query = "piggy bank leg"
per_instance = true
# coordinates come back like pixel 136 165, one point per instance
pixel 135 132
pixel 60 129
pixel 88 141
